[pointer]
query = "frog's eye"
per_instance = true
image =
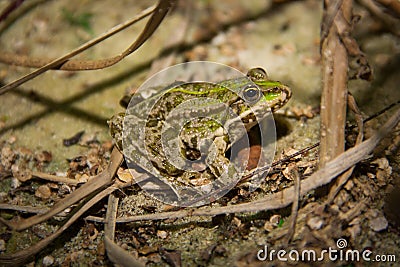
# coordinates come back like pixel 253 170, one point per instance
pixel 251 94
pixel 257 74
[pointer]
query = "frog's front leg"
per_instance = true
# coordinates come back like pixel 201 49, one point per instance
pixel 216 160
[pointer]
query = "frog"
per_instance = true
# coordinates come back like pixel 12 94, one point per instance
pixel 189 126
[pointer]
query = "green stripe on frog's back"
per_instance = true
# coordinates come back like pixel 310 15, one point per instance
pixel 202 89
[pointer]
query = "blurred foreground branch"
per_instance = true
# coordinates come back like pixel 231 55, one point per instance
pixel 64 62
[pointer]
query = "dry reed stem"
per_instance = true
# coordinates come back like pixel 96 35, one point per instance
pixel 336 21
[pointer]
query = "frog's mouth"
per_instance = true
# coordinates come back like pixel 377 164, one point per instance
pixel 255 114
pixel 249 121
pixel 277 97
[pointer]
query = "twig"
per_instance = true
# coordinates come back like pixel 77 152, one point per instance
pixel 392 5
pixel 13 5
pixel 346 175
pixel 112 208
pixel 28 209
pixel 54 178
pixel 119 256
pixel 295 207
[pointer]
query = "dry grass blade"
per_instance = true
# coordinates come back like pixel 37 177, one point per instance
pixel 94 184
pixel 25 255
pixel 64 63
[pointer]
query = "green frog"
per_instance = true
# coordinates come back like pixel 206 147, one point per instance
pixel 181 134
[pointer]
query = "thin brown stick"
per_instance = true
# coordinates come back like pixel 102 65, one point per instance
pixel 296 198
pixel 29 209
pixel 112 208
pixel 54 178
pixel 12 6
pixel 119 256
pixel 346 175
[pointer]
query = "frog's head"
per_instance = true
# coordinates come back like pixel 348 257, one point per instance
pixel 274 93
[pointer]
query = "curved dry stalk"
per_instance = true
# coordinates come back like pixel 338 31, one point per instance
pixel 281 199
pixel 119 256
pixel 12 6
pixel 64 63
pixel 95 183
pixel 25 255
pixel 115 253
pixel 28 209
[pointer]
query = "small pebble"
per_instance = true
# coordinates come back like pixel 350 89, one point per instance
pixel 48 261
pixel 378 224
pixel 22 174
pixel 315 223
pixel 43 156
pixel 162 234
pixel 43 192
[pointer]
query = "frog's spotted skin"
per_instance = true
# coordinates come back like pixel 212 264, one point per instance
pixel 250 98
